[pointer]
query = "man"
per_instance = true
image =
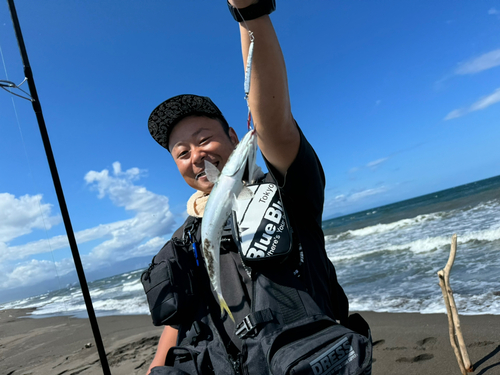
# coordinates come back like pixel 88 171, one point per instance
pixel 194 130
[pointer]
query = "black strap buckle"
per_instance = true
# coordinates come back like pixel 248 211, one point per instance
pixel 245 328
pixel 249 324
pixel 193 333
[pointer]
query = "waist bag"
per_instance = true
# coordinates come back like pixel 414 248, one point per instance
pixel 288 333
pixel 169 280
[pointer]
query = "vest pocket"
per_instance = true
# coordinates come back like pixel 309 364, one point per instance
pixel 168 285
pixel 183 361
pixel 208 359
pixel 188 360
pixel 329 349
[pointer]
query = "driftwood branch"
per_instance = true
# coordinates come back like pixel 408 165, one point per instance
pixel 451 308
pixel 450 325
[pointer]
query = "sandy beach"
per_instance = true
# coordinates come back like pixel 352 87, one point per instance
pixel 405 344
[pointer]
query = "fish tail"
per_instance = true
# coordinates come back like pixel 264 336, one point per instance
pixel 223 306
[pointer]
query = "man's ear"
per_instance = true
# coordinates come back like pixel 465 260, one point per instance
pixel 233 137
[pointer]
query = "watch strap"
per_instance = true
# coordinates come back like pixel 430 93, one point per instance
pixel 253 11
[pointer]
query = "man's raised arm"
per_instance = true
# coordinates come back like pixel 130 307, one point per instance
pixel 278 136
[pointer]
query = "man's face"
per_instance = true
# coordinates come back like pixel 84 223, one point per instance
pixel 196 139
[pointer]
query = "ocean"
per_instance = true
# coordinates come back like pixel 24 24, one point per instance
pixel 386 258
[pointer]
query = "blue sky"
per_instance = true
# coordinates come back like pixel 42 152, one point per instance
pixel 399 99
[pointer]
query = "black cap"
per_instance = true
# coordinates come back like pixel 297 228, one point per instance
pixel 164 117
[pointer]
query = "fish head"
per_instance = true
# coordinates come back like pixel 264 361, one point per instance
pixel 243 158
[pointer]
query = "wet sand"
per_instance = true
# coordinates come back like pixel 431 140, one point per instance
pixel 405 344
pixel 59 345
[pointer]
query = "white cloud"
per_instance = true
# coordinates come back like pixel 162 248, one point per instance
pixel 150 247
pixel 138 236
pixel 351 202
pixel 33 272
pixel 376 163
pixel 29 273
pixel 372 165
pixel 19 216
pixel 482 103
pixel 486 101
pixel 35 247
pixel 366 193
pixel 455 113
pixel 486 61
pixel 153 217
pixel 493 11
pixel 472 66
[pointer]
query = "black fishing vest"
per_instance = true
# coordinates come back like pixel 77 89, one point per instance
pixel 285 332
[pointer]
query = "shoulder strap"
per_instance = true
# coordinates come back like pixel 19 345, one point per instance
pixel 190 221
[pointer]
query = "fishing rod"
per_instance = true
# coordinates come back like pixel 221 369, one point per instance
pixel 59 192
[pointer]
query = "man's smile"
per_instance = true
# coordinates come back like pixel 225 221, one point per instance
pixel 203 174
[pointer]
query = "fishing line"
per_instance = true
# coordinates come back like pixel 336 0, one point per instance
pixel 30 169
pixel 248 70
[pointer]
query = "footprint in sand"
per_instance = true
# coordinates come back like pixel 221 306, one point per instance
pixel 427 340
pixel 480 343
pixel 397 348
pixel 418 358
pixel 376 344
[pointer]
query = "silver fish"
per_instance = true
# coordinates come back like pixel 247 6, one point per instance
pixel 228 186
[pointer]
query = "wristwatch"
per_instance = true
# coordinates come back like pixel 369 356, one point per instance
pixel 259 9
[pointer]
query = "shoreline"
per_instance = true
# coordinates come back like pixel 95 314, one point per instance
pixel 404 343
